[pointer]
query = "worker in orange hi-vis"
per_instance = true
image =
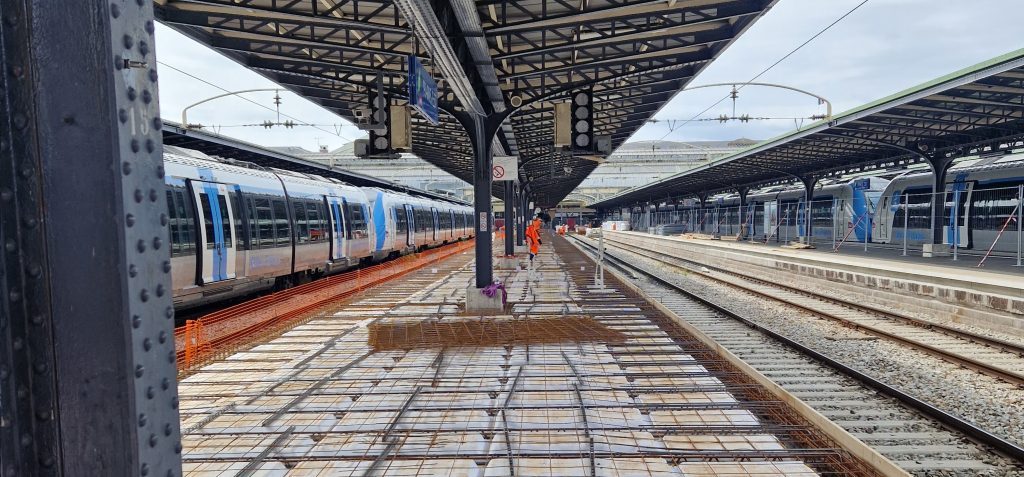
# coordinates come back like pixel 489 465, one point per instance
pixel 533 238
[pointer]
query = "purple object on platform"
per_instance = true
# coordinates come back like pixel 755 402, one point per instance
pixel 493 288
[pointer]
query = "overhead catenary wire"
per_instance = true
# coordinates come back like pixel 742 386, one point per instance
pixel 769 68
pixel 210 83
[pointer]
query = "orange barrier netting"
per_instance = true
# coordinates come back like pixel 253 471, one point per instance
pixel 226 330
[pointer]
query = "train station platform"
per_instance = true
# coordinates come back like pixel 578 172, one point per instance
pixel 575 377
pixel 990 296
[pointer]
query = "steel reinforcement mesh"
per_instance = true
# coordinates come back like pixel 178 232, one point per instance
pixel 488 331
pixel 317 400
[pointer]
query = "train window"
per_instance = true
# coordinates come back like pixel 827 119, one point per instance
pixel 822 213
pixel 357 221
pixel 225 221
pixel 186 222
pixel 173 229
pixel 317 230
pixel 281 224
pixel 401 220
pixel 300 220
pixel 240 206
pixel 204 202
pixel 919 204
pixel 418 223
pixel 254 230
pixel 991 207
pixel 264 222
pixel 442 221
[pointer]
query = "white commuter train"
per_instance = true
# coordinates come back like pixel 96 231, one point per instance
pixel 778 214
pixel 236 228
pixel 985 192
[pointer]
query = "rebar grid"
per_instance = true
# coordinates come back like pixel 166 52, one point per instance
pixel 636 407
pixel 488 332
pixel 836 462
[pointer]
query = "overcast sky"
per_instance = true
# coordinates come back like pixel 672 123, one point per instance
pixel 882 48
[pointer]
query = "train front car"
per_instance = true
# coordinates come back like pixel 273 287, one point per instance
pixel 389 213
pixel 215 254
pixel 852 212
pixel 983 192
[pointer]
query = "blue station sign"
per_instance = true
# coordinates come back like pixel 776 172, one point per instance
pixel 422 90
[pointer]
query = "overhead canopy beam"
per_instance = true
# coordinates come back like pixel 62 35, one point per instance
pixel 879 134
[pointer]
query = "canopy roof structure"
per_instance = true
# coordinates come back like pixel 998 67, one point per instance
pixel 490 57
pixel 975 110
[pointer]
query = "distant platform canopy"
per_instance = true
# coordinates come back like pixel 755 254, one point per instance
pixel 488 56
pixel 973 111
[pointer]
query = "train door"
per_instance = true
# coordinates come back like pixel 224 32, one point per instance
pixel 959 193
pixel 409 230
pixel 883 218
pixel 216 232
pixel 433 218
pixel 337 227
pixel 842 221
pixel 771 218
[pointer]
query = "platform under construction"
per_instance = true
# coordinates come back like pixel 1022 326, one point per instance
pixel 633 394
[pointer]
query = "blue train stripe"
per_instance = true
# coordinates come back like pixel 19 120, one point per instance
pixel 219 268
pixel 338 229
pixel 379 221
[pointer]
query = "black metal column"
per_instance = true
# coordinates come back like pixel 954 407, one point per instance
pixel 940 168
pixel 742 191
pixel 87 364
pixel 520 216
pixel 703 210
pixel 809 182
pixel 510 218
pixel 482 179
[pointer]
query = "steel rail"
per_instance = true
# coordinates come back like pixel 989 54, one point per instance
pixel 953 421
pixel 968 362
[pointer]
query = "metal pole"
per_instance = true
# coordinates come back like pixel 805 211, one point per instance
pixel 739 223
pixel 956 224
pixel 808 223
pixel 786 240
pixel 906 215
pixel 867 229
pixel 510 219
pixel 482 201
pixel 834 212
pixel 1020 220
pixel 86 386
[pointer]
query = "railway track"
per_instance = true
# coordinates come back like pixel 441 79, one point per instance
pixel 919 437
pixel 997 358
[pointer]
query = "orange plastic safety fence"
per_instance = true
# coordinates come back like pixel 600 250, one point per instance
pixel 226 330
